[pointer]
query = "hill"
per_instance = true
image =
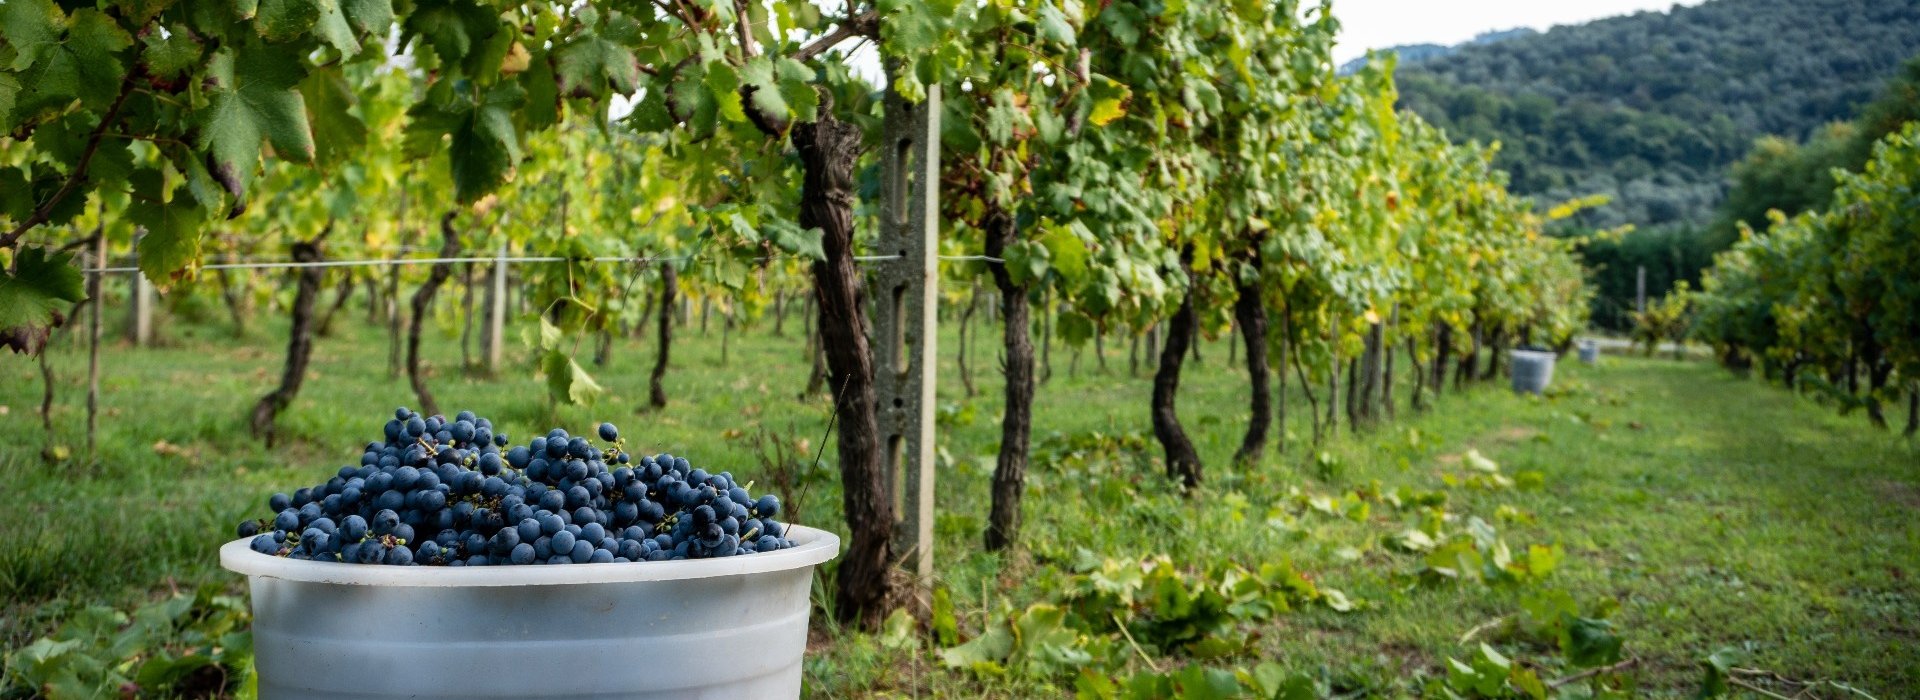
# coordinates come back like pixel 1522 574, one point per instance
pixel 1410 54
pixel 1653 108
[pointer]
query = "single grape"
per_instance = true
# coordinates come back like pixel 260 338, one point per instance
pixel 522 554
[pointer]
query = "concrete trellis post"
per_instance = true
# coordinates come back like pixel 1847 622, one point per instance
pixel 140 320
pixel 905 296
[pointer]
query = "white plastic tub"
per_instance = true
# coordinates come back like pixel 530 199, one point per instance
pixel 1532 371
pixel 709 628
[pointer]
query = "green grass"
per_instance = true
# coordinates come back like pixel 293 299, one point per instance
pixel 1716 512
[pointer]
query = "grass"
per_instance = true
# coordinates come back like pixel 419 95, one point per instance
pixel 1715 512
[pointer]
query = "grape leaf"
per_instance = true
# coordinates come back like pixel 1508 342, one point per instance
pixel 368 16
pixel 333 28
pixel 33 296
pixel 32 27
pixel 173 235
pixel 81 66
pixel 796 87
pixel 1590 642
pixel 1109 100
pixel 567 383
pixel 169 56
pixel 285 20
pixel 1067 253
pixel 1053 25
pixel 453 27
pixel 254 99
pixel 543 94
pixel 9 94
pixel 484 147
pixel 16 194
pixel 594 62
pixel 337 133
pixel 723 85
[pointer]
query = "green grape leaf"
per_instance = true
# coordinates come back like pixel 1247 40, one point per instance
pixel 368 16
pixel 9 95
pixel 797 89
pixel 1067 253
pixel 484 147
pixel 791 238
pixel 1589 642
pixel 765 89
pixel 987 651
pixel 254 99
pixel 1075 328
pixel 454 28
pixel 81 66
pixel 32 27
pixel 595 62
pixel 34 295
pixel 1714 670
pixel 567 382
pixel 1109 100
pixel 723 86
pixel 173 235
pixel 543 94
pixel 333 28
pixel 1199 682
pixel 1053 25
pixel 169 57
pixel 285 20
pixel 16 194
pixel 337 133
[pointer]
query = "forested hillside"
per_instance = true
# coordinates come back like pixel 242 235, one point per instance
pixel 1652 108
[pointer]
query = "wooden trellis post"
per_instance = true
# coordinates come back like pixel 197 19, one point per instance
pixel 905 295
pixel 497 311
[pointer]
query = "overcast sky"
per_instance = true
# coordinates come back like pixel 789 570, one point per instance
pixel 1378 24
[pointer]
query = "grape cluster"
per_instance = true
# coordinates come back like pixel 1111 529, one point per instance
pixel 451 493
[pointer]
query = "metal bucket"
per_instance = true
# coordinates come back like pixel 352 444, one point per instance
pixel 732 627
pixel 1589 352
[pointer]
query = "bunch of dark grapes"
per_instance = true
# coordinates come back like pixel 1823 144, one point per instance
pixel 450 493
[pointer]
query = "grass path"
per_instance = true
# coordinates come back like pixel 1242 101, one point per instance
pixel 1714 512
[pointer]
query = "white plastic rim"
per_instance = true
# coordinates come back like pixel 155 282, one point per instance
pixel 725 629
pixel 812 547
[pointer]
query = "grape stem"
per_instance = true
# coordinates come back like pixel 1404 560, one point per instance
pixel 40 215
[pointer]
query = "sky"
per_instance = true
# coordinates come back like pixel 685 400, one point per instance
pixel 1378 24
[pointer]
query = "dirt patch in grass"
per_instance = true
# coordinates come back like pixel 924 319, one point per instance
pixel 1508 435
pixel 1902 493
pixel 1513 433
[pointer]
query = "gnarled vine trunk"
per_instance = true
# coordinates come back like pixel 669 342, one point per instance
pixel 669 285
pixel 1016 422
pixel 966 324
pixel 236 303
pixel 1250 315
pixel 299 338
pixel 1183 461
pixel 423 298
pixel 828 151
pixel 1280 384
pixel 342 292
